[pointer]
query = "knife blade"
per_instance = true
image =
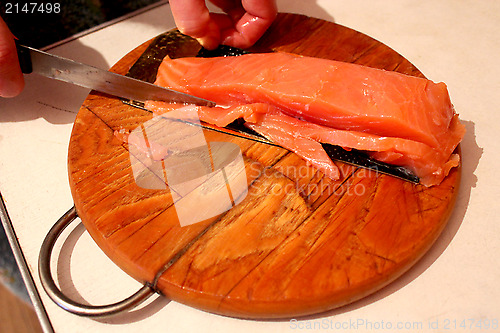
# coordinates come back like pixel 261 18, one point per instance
pixel 67 70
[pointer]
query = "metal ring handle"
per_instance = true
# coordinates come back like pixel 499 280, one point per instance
pixel 57 295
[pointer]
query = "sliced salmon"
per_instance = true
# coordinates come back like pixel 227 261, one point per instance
pixel 299 101
pixel 429 164
pixel 327 92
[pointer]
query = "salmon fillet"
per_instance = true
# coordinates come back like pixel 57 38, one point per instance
pixel 299 101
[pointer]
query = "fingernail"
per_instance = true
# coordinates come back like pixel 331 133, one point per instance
pixel 208 42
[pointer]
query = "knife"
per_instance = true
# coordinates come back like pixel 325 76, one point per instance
pixel 59 68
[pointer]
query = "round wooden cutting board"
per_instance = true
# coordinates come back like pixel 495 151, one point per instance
pixel 299 243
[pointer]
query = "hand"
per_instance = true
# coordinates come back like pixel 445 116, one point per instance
pixel 11 77
pixel 243 24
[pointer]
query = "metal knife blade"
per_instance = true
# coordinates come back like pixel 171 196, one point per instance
pixel 59 68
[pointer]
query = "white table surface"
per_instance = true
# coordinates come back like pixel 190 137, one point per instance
pixel 455 284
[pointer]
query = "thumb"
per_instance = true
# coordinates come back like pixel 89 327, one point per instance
pixel 11 77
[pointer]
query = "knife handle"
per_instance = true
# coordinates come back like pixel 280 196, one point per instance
pixel 23 53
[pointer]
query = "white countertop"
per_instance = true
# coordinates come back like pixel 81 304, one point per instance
pixel 455 284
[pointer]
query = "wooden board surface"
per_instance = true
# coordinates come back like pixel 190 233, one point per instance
pixel 299 243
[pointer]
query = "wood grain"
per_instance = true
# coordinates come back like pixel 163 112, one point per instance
pixel 17 316
pixel 299 243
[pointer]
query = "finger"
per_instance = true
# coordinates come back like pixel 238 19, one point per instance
pixel 231 7
pixel 257 17
pixel 223 21
pixel 265 9
pixel 193 19
pixel 11 77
